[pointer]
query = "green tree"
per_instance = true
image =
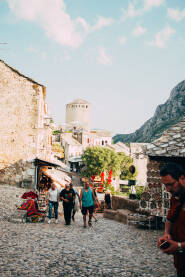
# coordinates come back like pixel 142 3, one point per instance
pixel 126 162
pixel 56 132
pixel 98 159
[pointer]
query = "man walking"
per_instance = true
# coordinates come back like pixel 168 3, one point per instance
pixel 173 177
pixel 87 203
pixel 67 196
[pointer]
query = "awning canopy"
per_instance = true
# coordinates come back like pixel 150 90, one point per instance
pixel 75 159
pixel 57 176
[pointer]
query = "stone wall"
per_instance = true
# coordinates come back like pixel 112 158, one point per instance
pixel 23 134
pixel 20 174
pixel 120 202
pixel 155 199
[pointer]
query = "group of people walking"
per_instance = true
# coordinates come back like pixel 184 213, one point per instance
pixel 87 201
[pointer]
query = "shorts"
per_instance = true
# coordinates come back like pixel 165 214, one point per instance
pixel 85 209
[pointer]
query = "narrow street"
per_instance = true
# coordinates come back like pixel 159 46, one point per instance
pixel 107 249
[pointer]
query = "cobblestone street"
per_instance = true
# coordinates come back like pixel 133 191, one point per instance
pixel 107 249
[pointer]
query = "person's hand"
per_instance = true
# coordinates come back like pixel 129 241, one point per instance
pixel 166 237
pixel 172 248
pixel 66 200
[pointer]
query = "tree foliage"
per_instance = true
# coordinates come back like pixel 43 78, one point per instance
pixel 98 159
pixel 58 149
pixel 56 132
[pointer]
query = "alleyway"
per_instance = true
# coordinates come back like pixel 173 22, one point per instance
pixel 107 249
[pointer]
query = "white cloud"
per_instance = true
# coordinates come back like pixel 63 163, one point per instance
pixel 162 37
pixel 131 11
pixel 135 10
pixel 123 40
pixel 52 17
pixel 102 22
pixel 103 57
pixel 176 14
pixel 138 31
pixel 149 4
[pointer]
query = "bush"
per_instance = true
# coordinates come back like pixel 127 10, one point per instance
pixel 139 191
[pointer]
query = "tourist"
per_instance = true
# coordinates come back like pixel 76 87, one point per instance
pixel 76 201
pixel 86 203
pixel 53 197
pixel 67 196
pixel 107 199
pixel 173 177
pixel 96 204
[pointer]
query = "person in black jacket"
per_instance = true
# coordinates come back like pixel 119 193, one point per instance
pixel 67 196
pixel 107 199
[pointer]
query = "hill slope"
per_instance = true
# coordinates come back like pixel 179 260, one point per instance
pixel 164 117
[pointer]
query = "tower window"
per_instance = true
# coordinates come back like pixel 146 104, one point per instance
pixel 86 107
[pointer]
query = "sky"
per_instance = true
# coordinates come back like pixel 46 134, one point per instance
pixel 122 56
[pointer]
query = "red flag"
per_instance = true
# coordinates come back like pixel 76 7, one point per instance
pixel 110 177
pixel 102 177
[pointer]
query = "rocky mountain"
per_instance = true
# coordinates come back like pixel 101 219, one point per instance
pixel 164 117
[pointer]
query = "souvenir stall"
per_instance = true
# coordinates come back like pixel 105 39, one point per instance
pixel 46 174
pixel 170 147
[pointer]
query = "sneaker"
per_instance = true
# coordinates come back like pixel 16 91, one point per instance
pixel 56 221
pixel 49 221
pixel 90 223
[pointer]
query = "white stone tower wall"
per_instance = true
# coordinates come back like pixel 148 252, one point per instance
pixel 78 112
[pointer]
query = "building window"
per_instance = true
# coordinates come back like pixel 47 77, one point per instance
pixel 88 140
pixel 86 107
pixel 102 142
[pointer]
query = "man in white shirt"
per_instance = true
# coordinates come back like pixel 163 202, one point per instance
pixel 53 197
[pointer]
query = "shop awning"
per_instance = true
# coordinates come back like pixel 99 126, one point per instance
pixel 56 175
pixel 75 159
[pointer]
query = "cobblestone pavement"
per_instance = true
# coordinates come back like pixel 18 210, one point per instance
pixel 107 249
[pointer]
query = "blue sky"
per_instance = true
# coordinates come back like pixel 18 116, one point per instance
pixel 124 57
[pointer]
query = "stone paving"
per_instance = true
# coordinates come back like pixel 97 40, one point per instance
pixel 107 249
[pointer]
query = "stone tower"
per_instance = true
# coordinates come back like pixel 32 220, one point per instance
pixel 78 113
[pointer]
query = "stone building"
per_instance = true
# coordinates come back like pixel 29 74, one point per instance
pixel 76 141
pixel 78 114
pixel 140 160
pixel 170 147
pixel 25 132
